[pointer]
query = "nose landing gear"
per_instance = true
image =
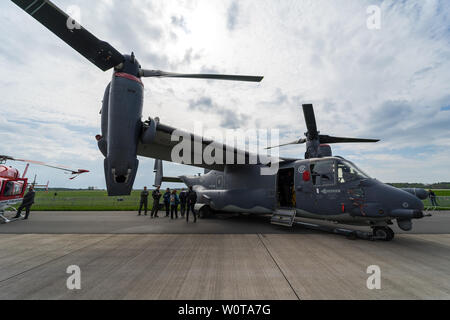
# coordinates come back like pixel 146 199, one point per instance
pixel 383 233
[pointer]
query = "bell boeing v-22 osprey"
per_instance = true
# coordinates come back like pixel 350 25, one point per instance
pixel 320 186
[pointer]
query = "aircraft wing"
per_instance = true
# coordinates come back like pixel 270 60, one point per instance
pixel 162 145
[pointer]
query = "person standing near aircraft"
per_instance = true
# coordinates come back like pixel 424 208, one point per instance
pixel 27 202
pixel 191 200
pixel 156 195
pixel 432 196
pixel 167 201
pixel 174 202
pixel 144 201
pixel 183 202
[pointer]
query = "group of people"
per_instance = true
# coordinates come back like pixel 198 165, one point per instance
pixel 186 200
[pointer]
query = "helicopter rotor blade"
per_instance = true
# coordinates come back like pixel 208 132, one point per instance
pixel 310 119
pixel 164 74
pixel 59 167
pixel 330 140
pixel 99 52
pixel 301 141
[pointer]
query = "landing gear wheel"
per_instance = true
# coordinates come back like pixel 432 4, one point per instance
pixel 383 233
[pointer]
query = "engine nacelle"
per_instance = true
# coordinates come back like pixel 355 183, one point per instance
pixel 123 129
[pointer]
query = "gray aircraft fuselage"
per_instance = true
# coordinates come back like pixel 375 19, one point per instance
pixel 329 188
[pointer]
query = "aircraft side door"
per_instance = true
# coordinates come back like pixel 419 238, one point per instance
pixel 304 189
pixel 327 193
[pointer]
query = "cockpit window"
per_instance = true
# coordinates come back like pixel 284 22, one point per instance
pixel 347 172
pixel 323 173
pixel 12 188
pixel 9 187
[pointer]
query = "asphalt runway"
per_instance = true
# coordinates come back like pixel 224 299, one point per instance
pixel 130 223
pixel 122 256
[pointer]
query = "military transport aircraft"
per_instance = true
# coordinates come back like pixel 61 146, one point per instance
pixel 320 186
pixel 13 187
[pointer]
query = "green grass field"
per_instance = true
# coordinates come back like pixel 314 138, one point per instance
pixel 84 200
pixel 443 200
pixel 442 193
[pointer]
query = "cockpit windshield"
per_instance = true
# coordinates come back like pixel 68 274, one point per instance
pixel 347 172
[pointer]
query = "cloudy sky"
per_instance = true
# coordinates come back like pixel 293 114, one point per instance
pixel 392 83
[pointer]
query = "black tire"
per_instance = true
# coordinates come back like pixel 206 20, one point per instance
pixel 383 233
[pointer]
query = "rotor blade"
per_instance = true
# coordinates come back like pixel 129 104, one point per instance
pixel 301 141
pixel 163 74
pixel 4 158
pixel 59 167
pixel 100 53
pixel 329 139
pixel 310 119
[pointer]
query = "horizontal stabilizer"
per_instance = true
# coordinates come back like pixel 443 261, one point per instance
pixel 172 179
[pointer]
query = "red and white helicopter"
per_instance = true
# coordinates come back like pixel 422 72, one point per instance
pixel 13 187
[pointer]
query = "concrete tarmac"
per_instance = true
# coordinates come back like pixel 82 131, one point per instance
pixel 73 222
pixel 122 256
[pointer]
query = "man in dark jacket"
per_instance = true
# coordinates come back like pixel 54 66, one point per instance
pixel 174 203
pixel 27 202
pixel 432 196
pixel 167 201
pixel 144 201
pixel 191 201
pixel 183 202
pixel 156 195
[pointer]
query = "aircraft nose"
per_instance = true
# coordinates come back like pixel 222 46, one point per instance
pixel 407 206
pixel 412 202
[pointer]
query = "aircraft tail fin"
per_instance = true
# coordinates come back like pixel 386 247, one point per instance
pixel 159 175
